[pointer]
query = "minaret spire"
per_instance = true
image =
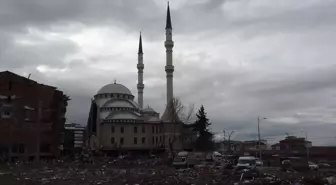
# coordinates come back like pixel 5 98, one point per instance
pixel 169 68
pixel 140 45
pixel 168 21
pixel 140 67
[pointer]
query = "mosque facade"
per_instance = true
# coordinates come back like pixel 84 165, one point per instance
pixel 118 122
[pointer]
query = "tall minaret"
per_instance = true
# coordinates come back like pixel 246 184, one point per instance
pixel 140 67
pixel 169 44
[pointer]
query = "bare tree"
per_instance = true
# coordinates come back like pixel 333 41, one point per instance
pixel 178 115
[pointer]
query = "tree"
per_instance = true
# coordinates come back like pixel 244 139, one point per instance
pixel 178 115
pixel 201 126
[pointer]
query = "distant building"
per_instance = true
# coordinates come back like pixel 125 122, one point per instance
pixel 73 137
pixel 31 117
pixel 254 145
pixel 228 146
pixel 294 143
pixel 276 146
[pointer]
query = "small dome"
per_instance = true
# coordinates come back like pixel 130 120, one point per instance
pixel 114 88
pixel 148 109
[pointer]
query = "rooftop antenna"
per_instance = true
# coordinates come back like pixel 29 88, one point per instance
pixel 29 76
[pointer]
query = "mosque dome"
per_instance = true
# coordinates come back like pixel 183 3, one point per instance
pixel 114 88
pixel 148 109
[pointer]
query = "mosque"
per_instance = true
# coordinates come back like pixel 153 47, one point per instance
pixel 116 122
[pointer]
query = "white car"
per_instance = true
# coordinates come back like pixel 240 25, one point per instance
pixel 313 166
pixel 259 162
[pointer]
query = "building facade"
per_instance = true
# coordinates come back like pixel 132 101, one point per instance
pixel 118 122
pixel 32 117
pixel 73 138
pixel 294 143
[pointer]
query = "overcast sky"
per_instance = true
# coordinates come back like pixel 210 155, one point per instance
pixel 241 59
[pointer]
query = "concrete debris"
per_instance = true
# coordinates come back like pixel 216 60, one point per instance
pixel 150 172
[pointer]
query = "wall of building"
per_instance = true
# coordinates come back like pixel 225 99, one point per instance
pixel 24 130
pixel 172 131
pixel 73 138
pixel 132 135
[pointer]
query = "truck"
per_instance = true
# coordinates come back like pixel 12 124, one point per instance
pixel 188 159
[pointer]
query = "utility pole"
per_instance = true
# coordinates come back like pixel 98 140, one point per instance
pixel 259 139
pixel 230 139
pixel 306 144
pixel 224 140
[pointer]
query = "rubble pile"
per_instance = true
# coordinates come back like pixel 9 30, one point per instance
pixel 152 171
pixel 113 172
pixel 283 178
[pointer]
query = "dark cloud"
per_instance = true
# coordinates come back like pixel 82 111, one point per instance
pixel 47 53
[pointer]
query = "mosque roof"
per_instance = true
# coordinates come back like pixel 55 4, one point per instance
pixel 114 88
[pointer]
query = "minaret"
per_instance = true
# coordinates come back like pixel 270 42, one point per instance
pixel 140 67
pixel 169 44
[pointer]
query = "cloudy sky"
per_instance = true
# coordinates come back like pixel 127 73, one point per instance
pixel 239 58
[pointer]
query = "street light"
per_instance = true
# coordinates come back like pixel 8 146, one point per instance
pixel 233 131
pixel 306 143
pixel 259 120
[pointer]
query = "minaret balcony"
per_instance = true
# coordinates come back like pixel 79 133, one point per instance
pixel 140 86
pixel 169 69
pixel 140 66
pixel 169 43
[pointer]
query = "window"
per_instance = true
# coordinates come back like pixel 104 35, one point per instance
pixel 122 129
pixel 153 140
pixel 121 140
pixel 153 129
pixel 112 140
pixel 157 140
pixel 143 129
pixel 135 129
pixel 45 148
pixel 157 129
pixel 112 129
pixel 22 148
pixel 135 141
pixel 143 140
pixel 6 114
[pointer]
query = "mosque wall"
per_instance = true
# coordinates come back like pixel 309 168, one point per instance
pixel 131 136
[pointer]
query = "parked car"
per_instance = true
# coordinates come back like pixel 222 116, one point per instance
pixel 296 163
pixel 313 166
pixel 246 162
pixel 324 165
pixel 259 162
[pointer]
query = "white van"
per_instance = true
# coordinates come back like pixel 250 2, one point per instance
pixel 187 159
pixel 247 162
